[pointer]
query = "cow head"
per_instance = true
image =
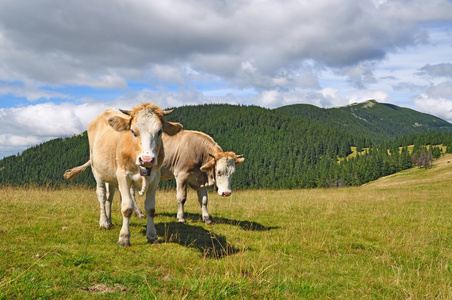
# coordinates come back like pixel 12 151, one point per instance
pixel 220 170
pixel 146 124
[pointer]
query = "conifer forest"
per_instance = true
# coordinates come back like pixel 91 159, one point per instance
pixel 299 146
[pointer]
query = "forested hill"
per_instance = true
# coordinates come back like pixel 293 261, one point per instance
pixel 282 147
pixel 374 120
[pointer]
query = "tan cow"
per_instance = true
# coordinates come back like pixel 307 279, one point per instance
pixel 194 159
pixel 120 144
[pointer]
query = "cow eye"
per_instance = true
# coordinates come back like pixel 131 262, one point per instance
pixel 160 132
pixel 134 133
pixel 219 173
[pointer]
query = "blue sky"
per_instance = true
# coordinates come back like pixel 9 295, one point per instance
pixel 64 62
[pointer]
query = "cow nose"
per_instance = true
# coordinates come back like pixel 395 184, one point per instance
pixel 226 194
pixel 147 161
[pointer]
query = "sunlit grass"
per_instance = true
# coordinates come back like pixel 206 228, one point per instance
pixel 409 148
pixel 389 239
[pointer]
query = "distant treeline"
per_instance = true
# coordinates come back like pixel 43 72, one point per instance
pixel 281 151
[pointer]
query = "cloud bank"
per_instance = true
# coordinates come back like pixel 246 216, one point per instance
pixel 65 61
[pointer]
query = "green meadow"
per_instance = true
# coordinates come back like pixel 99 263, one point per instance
pixel 389 239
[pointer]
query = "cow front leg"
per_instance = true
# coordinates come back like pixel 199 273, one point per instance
pixel 202 198
pixel 101 191
pixel 149 207
pixel 124 185
pixel 181 186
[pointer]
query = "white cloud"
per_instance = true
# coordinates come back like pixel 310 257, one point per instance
pixel 327 97
pixel 439 107
pixel 271 98
pixel 44 120
pixel 359 95
pixel 437 100
pixel 247 67
pixel 13 144
pixel 442 90
pixel 14 141
pixel 438 70
pixel 359 75
pixel 29 91
pixel 169 74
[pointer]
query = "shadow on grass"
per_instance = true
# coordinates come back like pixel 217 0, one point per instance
pixel 208 243
pixel 245 225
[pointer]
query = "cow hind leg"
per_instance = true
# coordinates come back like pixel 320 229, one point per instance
pixel 202 198
pixel 109 200
pixel 101 191
pixel 181 186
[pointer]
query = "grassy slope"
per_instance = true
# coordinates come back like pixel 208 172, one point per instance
pixel 388 239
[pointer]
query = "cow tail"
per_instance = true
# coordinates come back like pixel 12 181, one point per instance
pixel 74 172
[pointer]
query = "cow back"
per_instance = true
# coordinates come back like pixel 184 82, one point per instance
pixel 186 152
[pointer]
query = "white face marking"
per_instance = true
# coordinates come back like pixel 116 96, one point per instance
pixel 150 130
pixel 225 168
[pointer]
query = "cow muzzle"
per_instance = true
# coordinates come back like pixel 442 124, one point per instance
pixel 146 161
pixel 224 192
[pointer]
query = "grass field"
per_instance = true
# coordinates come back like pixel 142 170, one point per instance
pixel 389 239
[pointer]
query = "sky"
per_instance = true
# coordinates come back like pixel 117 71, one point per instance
pixel 64 62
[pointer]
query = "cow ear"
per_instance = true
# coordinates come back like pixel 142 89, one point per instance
pixel 171 128
pixel 239 160
pixel 119 124
pixel 208 166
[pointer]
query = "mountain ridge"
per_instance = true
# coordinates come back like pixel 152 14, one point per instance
pixel 371 118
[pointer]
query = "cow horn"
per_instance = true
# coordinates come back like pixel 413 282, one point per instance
pixel 239 156
pixel 126 112
pixel 167 112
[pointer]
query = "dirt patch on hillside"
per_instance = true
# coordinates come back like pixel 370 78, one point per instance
pixel 104 289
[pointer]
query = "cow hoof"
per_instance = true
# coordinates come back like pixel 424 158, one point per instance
pixel 183 221
pixel 140 216
pixel 124 243
pixel 153 241
pixel 106 226
pixel 208 222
